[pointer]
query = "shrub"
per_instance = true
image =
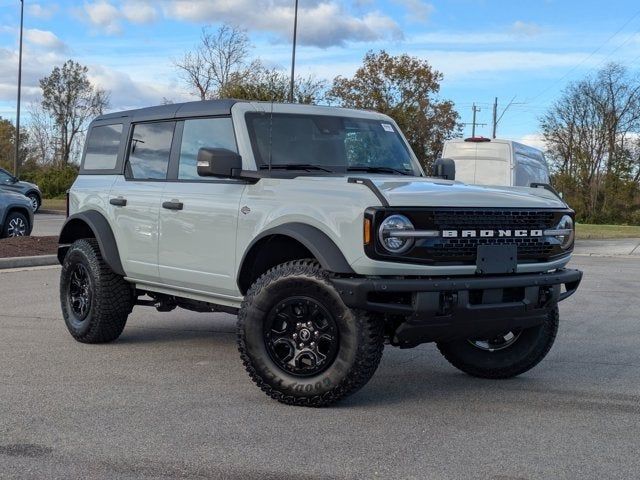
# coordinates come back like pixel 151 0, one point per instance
pixel 53 181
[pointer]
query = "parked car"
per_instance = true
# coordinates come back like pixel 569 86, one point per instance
pixel 14 184
pixel 482 161
pixel 319 228
pixel 16 215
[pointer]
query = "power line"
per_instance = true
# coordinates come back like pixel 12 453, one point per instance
pixel 585 59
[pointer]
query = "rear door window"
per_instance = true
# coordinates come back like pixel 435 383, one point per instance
pixel 103 145
pixel 150 150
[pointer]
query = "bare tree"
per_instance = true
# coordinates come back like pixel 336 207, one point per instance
pixel 220 54
pixel 71 100
pixel 592 135
pixel 41 135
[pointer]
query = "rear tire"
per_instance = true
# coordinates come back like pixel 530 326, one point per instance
pixel 35 202
pixel 298 341
pixel 518 352
pixel 95 301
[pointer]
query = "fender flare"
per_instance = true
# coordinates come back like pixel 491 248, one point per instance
pixel 315 240
pixel 75 228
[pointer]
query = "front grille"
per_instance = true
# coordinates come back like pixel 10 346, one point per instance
pixel 463 251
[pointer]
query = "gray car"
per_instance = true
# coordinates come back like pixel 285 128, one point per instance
pixel 16 215
pixel 13 184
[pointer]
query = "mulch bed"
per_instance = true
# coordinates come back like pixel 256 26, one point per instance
pixel 28 246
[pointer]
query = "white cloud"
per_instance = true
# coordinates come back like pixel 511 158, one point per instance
pixel 526 29
pixel 533 140
pixel 126 93
pixel 417 10
pixel 323 23
pixel 139 12
pixel 108 16
pixel 38 11
pixel 44 38
pixel 103 15
pixel 35 65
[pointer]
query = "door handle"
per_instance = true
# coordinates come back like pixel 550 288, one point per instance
pixel 118 202
pixel 173 205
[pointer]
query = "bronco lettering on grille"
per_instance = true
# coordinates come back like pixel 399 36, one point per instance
pixel 491 233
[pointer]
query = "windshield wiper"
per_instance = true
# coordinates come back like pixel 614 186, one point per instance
pixel 364 168
pixel 296 166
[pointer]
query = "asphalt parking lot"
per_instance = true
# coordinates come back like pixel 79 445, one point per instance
pixel 47 224
pixel 171 400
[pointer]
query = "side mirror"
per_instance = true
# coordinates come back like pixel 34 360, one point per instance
pixel 218 162
pixel 444 168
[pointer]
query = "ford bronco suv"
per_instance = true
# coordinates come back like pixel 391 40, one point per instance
pixel 319 229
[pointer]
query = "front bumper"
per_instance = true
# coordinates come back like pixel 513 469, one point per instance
pixel 443 309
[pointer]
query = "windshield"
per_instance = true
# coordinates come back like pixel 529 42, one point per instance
pixel 325 143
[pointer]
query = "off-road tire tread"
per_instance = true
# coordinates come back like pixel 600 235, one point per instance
pixel 113 297
pixel 369 351
pixel 550 330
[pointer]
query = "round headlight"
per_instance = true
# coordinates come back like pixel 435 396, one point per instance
pixel 566 232
pixel 391 234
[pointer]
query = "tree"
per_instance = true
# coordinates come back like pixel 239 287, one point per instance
pixel 42 135
pixel 404 88
pixel 260 83
pixel 220 54
pixel 71 100
pixel 592 134
pixel 7 145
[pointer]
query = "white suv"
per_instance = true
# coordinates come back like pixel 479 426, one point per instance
pixel 318 227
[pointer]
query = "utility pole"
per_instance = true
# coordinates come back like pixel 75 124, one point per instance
pixel 15 160
pixel 495 117
pixel 293 56
pixel 475 124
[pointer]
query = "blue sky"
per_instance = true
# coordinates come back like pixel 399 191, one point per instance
pixel 529 49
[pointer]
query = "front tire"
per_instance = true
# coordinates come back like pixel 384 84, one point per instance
pixel 16 225
pixel 298 341
pixel 96 302
pixel 503 356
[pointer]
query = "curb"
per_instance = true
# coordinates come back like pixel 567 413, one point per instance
pixel 22 262
pixel 51 212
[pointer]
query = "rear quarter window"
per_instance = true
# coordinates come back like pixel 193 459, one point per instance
pixel 103 145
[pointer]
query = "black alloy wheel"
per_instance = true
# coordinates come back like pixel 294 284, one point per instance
pixel 301 336
pixel 79 293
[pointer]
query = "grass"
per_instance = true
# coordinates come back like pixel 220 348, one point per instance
pixel 601 232
pixel 59 204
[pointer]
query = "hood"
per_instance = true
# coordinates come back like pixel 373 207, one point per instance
pixel 32 185
pixel 431 192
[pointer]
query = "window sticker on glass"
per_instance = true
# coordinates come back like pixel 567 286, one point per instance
pixel 387 127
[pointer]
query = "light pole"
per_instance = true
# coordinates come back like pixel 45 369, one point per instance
pixel 293 56
pixel 15 160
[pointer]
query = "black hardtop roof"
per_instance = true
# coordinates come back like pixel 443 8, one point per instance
pixel 174 110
